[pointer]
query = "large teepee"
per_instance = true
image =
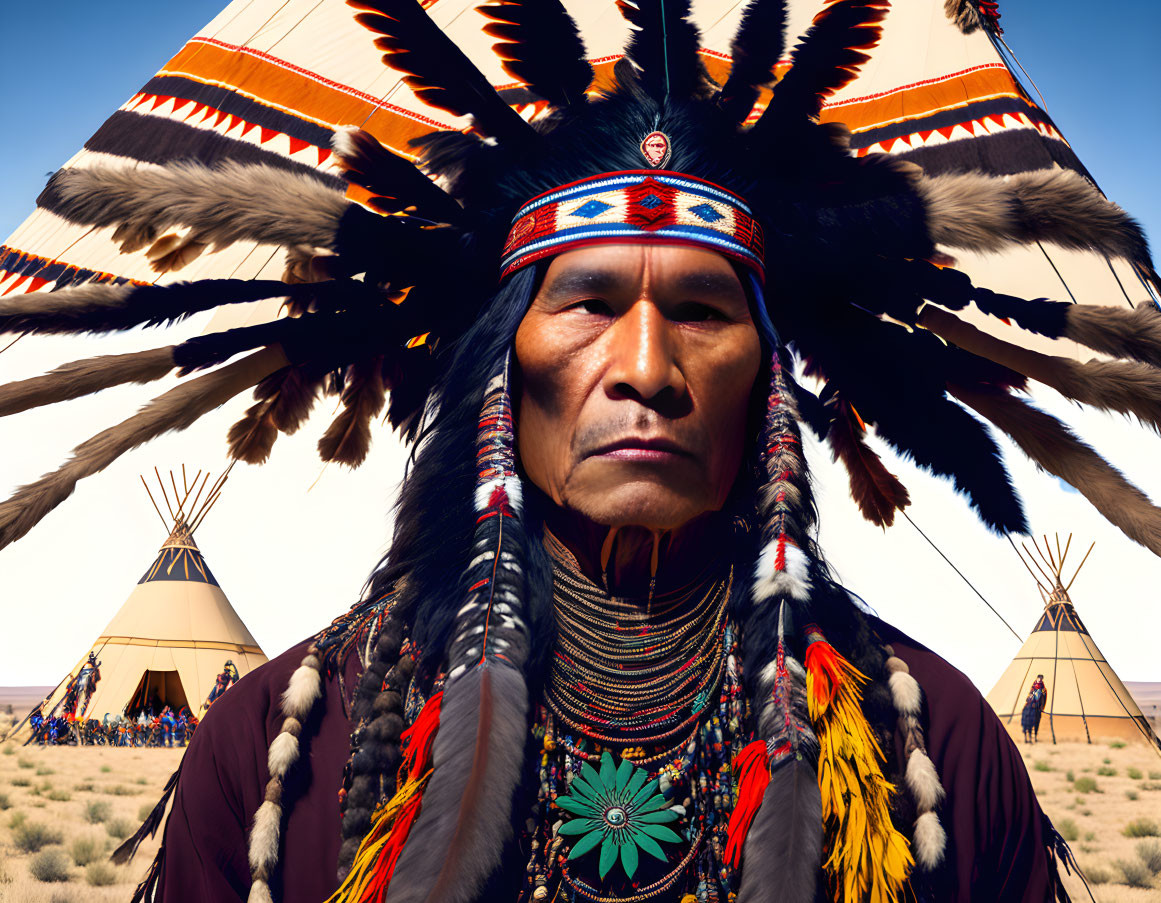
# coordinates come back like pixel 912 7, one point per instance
pixel 175 633
pixel 1085 700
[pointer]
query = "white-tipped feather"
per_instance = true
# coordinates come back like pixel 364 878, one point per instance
pixel 282 754
pixel 342 143
pixel 930 841
pixel 793 580
pixel 264 836
pixel 512 488
pixel 905 693
pixel 304 688
pixel 923 781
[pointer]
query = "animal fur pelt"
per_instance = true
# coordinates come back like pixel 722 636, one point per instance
pixel 1127 387
pixel 755 50
pixel 964 13
pixel 396 181
pixel 1116 331
pixel 1053 447
pixel 175 410
pixel 81 378
pixel 877 491
pixel 985 213
pixel 219 204
pixel 348 439
pixel 439 73
pixel 541 48
pixel 663 48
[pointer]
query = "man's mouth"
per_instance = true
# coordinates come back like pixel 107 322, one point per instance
pixel 640 449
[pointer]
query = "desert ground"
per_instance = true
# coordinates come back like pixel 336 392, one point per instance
pixel 63 809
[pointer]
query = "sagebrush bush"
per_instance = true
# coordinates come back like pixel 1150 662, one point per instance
pixel 4 804
pixel 16 819
pixel 144 811
pixel 1041 765
pixel 101 874
pixel 1149 852
pixel 1070 775
pixel 120 790
pixel 1132 794
pixel 1085 785
pixel 105 769
pixel 31 836
pixel 53 865
pixel 1142 827
pixel 44 770
pixel 1155 775
pixel 87 849
pixel 25 763
pixel 1134 773
pixel 20 782
pixel 1068 829
pixel 9 750
pixel 1117 744
pixel 97 812
pixel 1134 873
pixel 1098 874
pixel 84 787
pixel 59 796
pixel 120 827
pixel 1105 772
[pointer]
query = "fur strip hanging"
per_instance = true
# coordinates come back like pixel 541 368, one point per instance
pixel 755 50
pixel 85 377
pixel 869 859
pixel 437 71
pixel 1056 449
pixel 877 491
pixel 929 840
pixel 298 700
pixel 479 750
pixel 348 439
pixel 175 410
pixel 985 213
pixel 219 204
pixel 663 48
pixel 1117 331
pixel 1127 387
pixel 541 48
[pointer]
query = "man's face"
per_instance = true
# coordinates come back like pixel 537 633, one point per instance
pixel 638 363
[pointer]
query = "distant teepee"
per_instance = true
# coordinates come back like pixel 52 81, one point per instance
pixel 173 636
pixel 1085 698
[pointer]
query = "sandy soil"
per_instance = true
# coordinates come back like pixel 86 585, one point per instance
pixel 54 787
pixel 1094 821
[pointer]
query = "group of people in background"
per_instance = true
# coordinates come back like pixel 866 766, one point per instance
pixel 1033 709
pixel 165 728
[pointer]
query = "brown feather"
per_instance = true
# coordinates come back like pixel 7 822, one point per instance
pixel 85 377
pixel 173 252
pixel 177 409
pixel 1127 387
pixel 1117 331
pixel 877 491
pixel 348 439
pixel 284 401
pixel 1053 447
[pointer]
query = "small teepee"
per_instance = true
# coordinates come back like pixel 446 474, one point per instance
pixel 1084 698
pixel 173 636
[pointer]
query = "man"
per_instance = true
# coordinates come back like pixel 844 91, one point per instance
pixel 603 658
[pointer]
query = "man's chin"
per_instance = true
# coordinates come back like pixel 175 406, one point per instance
pixel 644 506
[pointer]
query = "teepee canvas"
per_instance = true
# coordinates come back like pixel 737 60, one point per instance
pixel 1083 697
pixel 173 636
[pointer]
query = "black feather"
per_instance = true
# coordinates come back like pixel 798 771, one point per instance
pixel 827 58
pixel 439 73
pixel 542 48
pixel 664 48
pixel 756 48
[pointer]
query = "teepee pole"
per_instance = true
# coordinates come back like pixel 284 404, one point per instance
pixel 1079 566
pixel 164 523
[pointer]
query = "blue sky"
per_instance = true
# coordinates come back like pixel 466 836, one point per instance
pixel 66 67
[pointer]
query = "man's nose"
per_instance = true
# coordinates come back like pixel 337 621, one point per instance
pixel 644 363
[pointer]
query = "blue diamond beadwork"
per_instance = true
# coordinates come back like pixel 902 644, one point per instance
pixel 706 212
pixel 592 208
pixel 650 201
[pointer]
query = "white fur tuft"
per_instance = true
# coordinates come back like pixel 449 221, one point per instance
pixel 304 689
pixel 512 488
pixel 282 754
pixel 930 841
pixel 259 893
pixel 905 692
pixel 923 781
pixel 264 837
pixel 342 143
pixel 793 581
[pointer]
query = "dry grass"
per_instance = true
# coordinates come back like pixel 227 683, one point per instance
pixel 95 796
pixel 1102 819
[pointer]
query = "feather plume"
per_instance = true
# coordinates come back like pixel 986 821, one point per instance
pixel 149 826
pixel 663 48
pixel 134 236
pixel 174 252
pixel 396 181
pixel 175 410
pixel 348 439
pixel 876 490
pixel 1127 387
pixel 964 14
pixel 1116 331
pixel 541 48
pixel 252 437
pixel 827 58
pixel 784 844
pixel 220 204
pixel 1056 449
pixel 439 73
pixel 84 378
pixel 756 48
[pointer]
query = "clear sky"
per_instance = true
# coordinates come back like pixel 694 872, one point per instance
pixel 291 557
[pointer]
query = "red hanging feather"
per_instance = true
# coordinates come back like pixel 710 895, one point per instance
pixel 419 738
pixel 753 770
pixel 825 667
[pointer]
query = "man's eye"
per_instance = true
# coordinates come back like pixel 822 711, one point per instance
pixel 694 312
pixel 593 306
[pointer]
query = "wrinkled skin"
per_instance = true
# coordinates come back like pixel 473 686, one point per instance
pixel 637 366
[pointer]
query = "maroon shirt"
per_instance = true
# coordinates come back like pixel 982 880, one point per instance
pixel 997 846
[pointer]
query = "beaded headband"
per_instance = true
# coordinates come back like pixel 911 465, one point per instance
pixel 634 206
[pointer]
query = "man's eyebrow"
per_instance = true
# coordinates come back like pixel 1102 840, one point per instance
pixel 713 283
pixel 579 281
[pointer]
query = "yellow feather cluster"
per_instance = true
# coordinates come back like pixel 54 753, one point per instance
pixel 869 861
